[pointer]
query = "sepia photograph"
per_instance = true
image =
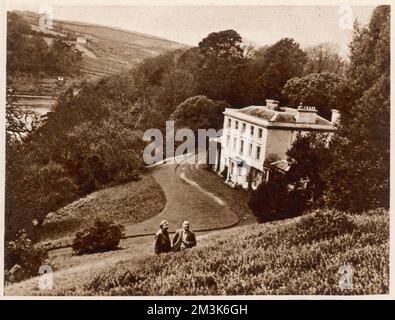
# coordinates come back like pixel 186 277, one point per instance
pixel 194 149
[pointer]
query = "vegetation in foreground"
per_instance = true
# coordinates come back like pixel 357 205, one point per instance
pixel 23 258
pixel 299 257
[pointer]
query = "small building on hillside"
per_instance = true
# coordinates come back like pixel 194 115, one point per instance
pixel 256 139
pixel 45 22
pixel 81 39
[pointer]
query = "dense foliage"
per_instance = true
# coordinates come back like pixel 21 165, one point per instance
pixel 325 91
pixel 277 199
pixel 101 236
pixel 23 253
pixel 28 52
pixel 199 112
pixel 301 187
pixel 282 61
pixel 361 148
pixel 354 163
pixel 73 153
pixel 309 156
pixel 324 58
pixel 293 258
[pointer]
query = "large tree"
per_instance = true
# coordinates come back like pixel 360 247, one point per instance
pixel 222 62
pixel 309 156
pixel 324 58
pixel 359 176
pixel 281 62
pixel 199 112
pixel 325 91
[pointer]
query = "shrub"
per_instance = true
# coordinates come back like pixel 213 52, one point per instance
pixel 274 201
pixel 24 253
pixel 101 236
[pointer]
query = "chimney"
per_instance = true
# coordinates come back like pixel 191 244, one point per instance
pixel 335 116
pixel 272 104
pixel 306 114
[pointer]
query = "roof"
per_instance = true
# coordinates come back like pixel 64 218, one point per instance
pixel 258 111
pixel 283 115
pixel 282 165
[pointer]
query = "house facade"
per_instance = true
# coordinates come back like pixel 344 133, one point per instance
pixel 81 39
pixel 256 138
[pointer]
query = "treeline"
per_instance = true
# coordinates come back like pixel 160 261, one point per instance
pixel 94 137
pixel 27 51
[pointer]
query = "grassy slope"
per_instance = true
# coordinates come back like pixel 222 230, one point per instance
pixel 236 199
pixel 116 50
pixel 289 257
pixel 111 51
pixel 185 202
pixel 126 204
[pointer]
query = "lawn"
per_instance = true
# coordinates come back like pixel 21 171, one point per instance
pixel 185 202
pixel 237 199
pixel 127 204
pixel 299 256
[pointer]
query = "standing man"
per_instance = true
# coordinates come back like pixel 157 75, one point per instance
pixel 184 238
pixel 162 239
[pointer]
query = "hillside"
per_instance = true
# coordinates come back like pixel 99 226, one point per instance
pixel 297 256
pixel 300 256
pixel 107 50
pixel 125 204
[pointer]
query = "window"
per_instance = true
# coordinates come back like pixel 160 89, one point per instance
pixel 237 125
pixel 234 144
pixel 250 150
pixel 228 140
pixel 243 128
pixel 258 152
pixel 252 130
pixel 241 146
pixel 229 123
pixel 260 132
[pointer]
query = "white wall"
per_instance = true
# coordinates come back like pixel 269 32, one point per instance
pixel 239 135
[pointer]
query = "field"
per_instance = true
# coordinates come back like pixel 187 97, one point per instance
pixel 108 51
pixel 237 199
pixel 298 256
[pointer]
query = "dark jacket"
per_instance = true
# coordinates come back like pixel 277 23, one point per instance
pixel 162 242
pixel 177 243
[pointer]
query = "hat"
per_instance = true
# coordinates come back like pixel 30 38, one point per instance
pixel 163 222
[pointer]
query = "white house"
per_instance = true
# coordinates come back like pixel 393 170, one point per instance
pixel 254 134
pixel 81 39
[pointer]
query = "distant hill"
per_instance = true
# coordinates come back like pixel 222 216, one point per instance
pixel 107 50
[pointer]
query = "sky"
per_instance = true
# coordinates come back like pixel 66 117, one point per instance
pixel 259 25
